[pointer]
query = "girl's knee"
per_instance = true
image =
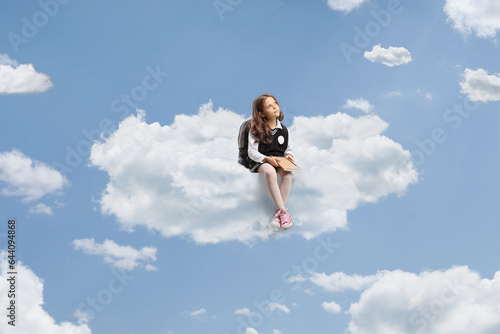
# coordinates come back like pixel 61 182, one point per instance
pixel 270 174
pixel 284 174
pixel 267 170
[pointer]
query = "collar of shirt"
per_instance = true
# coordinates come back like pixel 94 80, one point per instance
pixel 278 126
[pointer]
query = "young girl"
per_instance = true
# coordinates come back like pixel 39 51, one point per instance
pixel 267 139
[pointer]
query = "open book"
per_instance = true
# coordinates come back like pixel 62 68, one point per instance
pixel 288 165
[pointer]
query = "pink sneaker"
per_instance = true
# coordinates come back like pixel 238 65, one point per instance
pixel 276 222
pixel 285 219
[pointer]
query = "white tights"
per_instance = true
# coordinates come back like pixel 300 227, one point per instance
pixel 279 194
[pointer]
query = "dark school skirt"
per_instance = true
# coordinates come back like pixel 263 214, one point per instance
pixel 253 166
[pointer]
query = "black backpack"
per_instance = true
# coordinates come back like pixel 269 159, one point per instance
pixel 243 158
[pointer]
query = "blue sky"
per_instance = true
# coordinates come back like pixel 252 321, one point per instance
pixel 118 162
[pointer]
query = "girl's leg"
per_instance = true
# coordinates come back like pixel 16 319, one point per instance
pixel 272 183
pixel 285 185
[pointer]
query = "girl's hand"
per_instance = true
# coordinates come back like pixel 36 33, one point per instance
pixel 290 157
pixel 272 160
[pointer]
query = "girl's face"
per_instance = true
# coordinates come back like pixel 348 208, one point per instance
pixel 270 109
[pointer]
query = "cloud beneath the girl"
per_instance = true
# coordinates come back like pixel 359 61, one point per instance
pixel 183 179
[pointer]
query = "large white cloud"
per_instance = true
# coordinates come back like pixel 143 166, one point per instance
pixel 183 179
pixel 392 56
pixel 29 179
pixel 479 86
pixel 345 6
pixel 15 78
pixel 479 16
pixel 120 257
pixel 456 300
pixel 31 317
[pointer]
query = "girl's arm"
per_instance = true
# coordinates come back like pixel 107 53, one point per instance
pixel 253 149
pixel 288 151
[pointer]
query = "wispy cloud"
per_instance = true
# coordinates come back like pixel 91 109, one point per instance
pixel 277 306
pixel 120 257
pixel 41 209
pixel 341 282
pixel 393 93
pixel 243 311
pixel 200 314
pixel 361 104
pixel 345 6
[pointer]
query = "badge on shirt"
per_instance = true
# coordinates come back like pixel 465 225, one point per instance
pixel 281 140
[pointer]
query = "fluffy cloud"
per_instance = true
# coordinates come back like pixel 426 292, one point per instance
pixel 120 257
pixel 456 300
pixel 345 6
pixel 331 307
pixel 479 86
pixel 453 301
pixel 15 78
pixel 391 57
pixel 28 178
pixel 361 104
pixel 33 318
pixel 469 16
pixel 183 179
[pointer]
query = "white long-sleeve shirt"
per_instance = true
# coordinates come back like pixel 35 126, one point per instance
pixel 253 145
